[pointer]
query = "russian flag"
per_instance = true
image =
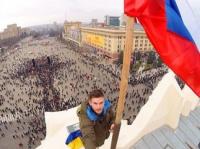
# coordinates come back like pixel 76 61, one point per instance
pixel 172 28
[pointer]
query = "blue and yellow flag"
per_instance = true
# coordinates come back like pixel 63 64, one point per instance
pixel 74 140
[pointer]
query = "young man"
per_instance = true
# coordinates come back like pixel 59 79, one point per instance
pixel 96 120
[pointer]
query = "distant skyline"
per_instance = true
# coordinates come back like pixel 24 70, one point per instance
pixel 35 12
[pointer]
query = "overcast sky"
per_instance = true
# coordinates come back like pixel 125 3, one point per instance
pixel 34 12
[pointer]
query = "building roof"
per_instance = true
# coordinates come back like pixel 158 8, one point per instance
pixel 137 27
pixel 185 136
pixel 160 124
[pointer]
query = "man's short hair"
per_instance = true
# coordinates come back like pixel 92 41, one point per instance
pixel 95 94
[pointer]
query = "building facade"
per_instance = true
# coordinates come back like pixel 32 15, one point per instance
pixel 111 41
pixel 12 31
pixel 94 22
pixel 72 31
pixel 112 20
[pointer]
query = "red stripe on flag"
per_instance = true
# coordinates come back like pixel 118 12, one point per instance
pixel 179 54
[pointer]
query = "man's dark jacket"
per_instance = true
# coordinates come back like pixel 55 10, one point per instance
pixel 94 129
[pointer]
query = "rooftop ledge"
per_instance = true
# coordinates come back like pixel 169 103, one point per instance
pixel 164 108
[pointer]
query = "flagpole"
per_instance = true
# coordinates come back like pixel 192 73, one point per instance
pixel 124 79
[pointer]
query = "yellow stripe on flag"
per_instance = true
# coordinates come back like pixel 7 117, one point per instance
pixel 76 144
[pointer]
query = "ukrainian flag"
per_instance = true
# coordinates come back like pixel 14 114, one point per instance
pixel 74 140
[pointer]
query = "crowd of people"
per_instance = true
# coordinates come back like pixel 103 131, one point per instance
pixel 41 77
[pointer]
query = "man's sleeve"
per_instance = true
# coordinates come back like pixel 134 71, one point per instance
pixel 87 130
pixel 112 116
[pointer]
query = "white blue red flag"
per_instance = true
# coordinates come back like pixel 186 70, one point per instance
pixel 173 30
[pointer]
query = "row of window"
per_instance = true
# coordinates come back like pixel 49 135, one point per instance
pixel 118 48
pixel 108 38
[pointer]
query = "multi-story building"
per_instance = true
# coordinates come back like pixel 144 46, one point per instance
pixel 12 31
pixel 94 22
pixel 112 20
pixel 111 41
pixel 123 19
pixel 1 36
pixel 72 31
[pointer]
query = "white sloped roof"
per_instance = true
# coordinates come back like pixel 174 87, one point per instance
pixel 164 107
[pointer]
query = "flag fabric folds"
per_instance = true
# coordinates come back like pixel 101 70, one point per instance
pixel 168 24
pixel 76 144
pixel 74 141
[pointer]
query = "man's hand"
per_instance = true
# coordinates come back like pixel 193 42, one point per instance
pixel 112 128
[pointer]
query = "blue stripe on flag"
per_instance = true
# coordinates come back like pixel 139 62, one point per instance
pixel 72 136
pixel 174 20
